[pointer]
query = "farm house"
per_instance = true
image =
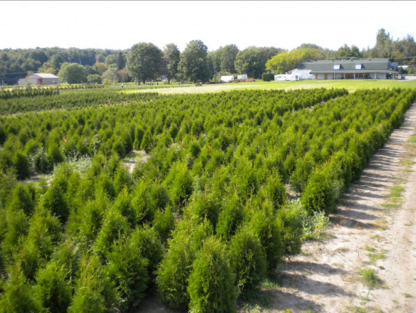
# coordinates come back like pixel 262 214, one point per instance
pixel 40 79
pixel 350 69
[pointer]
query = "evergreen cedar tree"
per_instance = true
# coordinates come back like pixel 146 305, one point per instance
pixel 207 209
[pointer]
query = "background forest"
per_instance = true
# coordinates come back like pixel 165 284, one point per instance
pixel 196 63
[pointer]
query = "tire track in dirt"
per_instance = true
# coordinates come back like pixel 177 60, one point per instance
pixel 368 231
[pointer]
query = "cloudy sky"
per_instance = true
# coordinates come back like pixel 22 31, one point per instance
pixel 119 25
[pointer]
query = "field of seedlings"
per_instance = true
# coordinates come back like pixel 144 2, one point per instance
pixel 226 185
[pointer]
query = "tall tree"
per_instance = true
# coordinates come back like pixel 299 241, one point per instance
pixel 252 61
pixel 171 58
pixel 347 52
pixel 121 61
pixel 287 61
pixel 227 58
pixel 144 61
pixel 73 73
pixel 222 59
pixel 194 62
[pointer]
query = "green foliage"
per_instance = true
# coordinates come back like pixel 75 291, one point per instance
pixel 320 193
pixel 268 228
pixel 54 201
pixel 19 295
pixel 230 218
pixel 171 58
pixel 72 73
pixel 94 79
pixel 267 77
pixel 214 163
pixel 193 64
pixel 175 268
pixel 287 61
pixel 164 223
pixel 292 217
pixel 22 165
pixel 314 225
pixel 114 227
pixel 252 60
pixel 144 61
pixel 146 239
pixel 53 291
pixel 370 278
pixel 128 269
pixel 17 227
pixel 23 198
pixel 179 183
pixel 247 259
pixel 94 292
pixel 211 287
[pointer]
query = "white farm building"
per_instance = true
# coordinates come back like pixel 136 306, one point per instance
pixel 350 69
pixel 40 79
pixel 342 69
pixel 242 76
pixel 227 79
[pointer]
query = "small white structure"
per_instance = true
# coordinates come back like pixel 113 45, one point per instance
pixel 303 74
pixel 40 79
pixel 280 77
pixel 227 79
pixel 242 76
pixel 291 77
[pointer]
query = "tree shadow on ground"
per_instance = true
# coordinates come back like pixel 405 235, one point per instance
pixel 280 300
pixel 312 287
pixel 348 222
pixel 313 267
pixel 355 214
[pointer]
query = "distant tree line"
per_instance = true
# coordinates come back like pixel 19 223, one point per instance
pixel 147 62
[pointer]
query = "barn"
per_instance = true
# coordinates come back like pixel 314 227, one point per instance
pixel 350 69
pixel 40 79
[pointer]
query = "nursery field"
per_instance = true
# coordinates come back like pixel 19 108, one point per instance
pixel 224 187
pixel 350 85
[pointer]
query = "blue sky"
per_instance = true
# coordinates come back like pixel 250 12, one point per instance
pixel 119 25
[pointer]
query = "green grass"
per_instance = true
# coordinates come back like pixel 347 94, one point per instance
pixel 356 309
pixel 370 278
pixel 395 191
pixel 350 85
pixel 374 257
pixel 370 249
pixel 412 139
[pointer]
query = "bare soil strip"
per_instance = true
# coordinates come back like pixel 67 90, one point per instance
pixel 374 227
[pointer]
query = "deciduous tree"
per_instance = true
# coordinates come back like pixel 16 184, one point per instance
pixel 144 61
pixel 171 58
pixel 194 62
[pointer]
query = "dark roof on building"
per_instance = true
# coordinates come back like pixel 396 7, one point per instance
pixel 352 71
pixel 347 66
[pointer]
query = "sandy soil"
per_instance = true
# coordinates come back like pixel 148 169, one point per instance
pixel 368 223
pixel 134 157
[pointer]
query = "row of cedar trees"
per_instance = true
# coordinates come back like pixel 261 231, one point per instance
pixel 34 92
pixel 68 100
pixel 203 220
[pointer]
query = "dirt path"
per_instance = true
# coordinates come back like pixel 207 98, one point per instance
pixel 374 227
